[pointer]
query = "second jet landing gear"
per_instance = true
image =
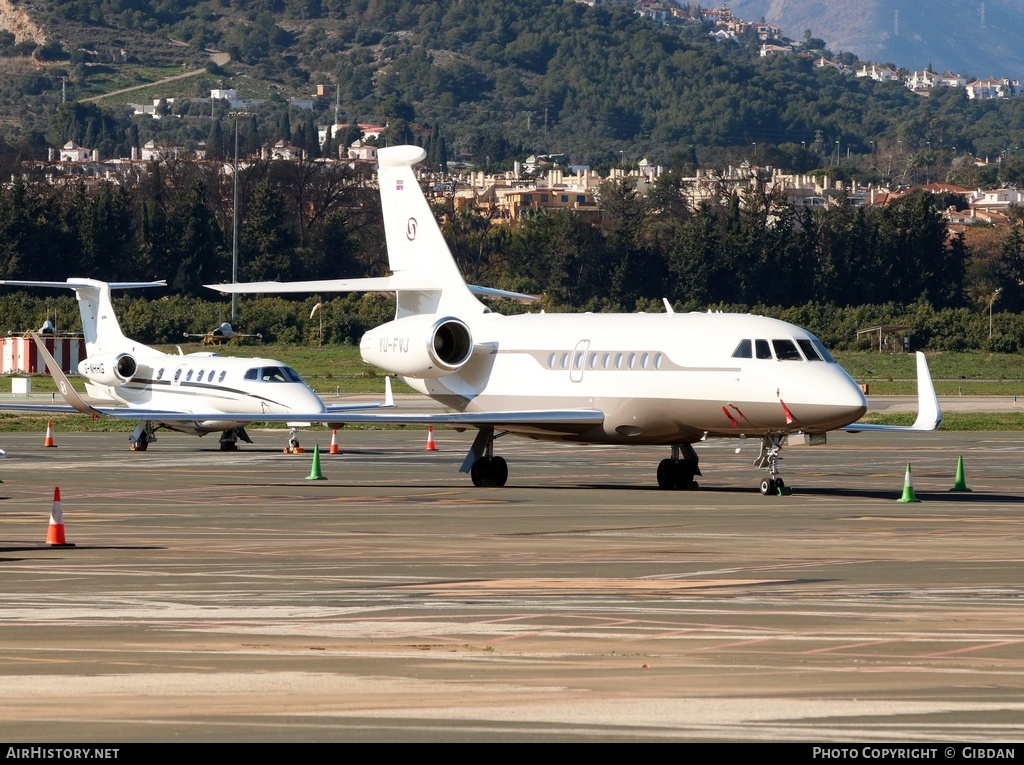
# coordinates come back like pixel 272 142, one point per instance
pixel 679 471
pixel 768 459
pixel 229 439
pixel 143 435
pixel 483 467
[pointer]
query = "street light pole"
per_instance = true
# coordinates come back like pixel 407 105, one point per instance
pixel 990 302
pixel 234 234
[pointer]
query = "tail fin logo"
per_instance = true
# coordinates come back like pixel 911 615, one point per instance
pixel 410 229
pixel 399 184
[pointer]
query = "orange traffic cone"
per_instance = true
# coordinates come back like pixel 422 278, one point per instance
pixel 431 446
pixel 334 442
pixel 55 534
pixel 49 434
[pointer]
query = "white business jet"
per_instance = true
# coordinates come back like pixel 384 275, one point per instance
pixel 667 379
pixel 197 393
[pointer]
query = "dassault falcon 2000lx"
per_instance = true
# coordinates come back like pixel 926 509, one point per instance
pixel 668 379
pixel 196 393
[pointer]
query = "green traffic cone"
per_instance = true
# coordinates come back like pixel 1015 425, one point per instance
pixel 961 484
pixel 908 489
pixel 315 474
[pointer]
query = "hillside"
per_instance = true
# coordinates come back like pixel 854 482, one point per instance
pixel 496 80
pixel 979 38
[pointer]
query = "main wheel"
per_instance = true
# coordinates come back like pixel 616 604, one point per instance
pixel 499 471
pixel 489 472
pixel 666 474
pixel 685 471
pixel 767 486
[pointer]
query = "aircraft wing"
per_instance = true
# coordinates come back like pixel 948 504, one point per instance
pixel 929 414
pixel 39 408
pixel 388 403
pixel 539 417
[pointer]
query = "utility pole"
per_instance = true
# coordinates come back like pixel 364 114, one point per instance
pixel 234 233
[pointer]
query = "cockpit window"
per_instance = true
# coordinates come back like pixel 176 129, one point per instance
pixel 808 348
pixel 762 350
pixel 822 350
pixel 272 374
pixel 785 350
pixel 743 351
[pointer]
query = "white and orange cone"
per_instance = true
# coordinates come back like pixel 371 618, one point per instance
pixel 334 442
pixel 49 434
pixel 55 533
pixel 431 446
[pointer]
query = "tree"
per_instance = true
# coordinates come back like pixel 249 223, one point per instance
pixel 266 244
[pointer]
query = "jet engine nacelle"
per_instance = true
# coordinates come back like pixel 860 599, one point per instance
pixel 418 346
pixel 109 368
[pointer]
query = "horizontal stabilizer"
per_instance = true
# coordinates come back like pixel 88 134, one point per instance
pixel 396 282
pixel 393 283
pixel 76 283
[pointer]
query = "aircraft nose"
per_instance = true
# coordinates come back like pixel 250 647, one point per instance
pixel 305 400
pixel 852 400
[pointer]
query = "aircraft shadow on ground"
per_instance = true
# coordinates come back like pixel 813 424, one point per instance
pixel 73 547
pixel 926 496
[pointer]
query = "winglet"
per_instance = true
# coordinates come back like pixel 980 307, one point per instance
pixel 67 390
pixel 929 414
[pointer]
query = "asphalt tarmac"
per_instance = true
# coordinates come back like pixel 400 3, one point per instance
pixel 237 597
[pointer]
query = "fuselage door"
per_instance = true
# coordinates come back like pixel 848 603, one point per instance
pixel 578 361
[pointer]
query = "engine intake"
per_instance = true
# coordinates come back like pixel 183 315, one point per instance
pixel 419 346
pixel 109 369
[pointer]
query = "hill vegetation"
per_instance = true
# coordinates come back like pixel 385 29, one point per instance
pixel 497 79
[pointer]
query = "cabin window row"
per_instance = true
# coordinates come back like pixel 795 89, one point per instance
pixel 190 373
pixel 801 349
pixel 259 374
pixel 580 360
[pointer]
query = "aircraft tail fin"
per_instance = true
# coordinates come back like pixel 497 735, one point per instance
pixel 416 246
pixel 99 322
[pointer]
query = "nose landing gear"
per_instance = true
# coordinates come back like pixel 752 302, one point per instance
pixel 771 446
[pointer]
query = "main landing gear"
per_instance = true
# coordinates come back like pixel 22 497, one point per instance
pixel 143 435
pixel 679 471
pixel 771 446
pixel 483 467
pixel 229 439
